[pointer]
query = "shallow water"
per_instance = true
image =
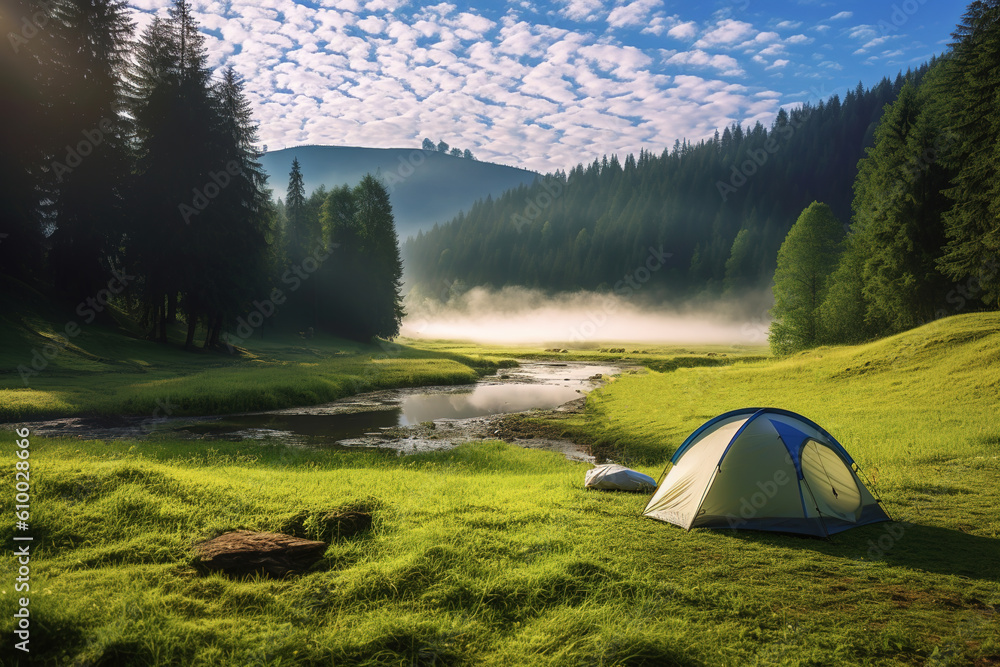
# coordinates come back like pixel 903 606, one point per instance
pixel 406 420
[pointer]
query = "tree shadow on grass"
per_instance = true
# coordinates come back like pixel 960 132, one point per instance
pixel 919 547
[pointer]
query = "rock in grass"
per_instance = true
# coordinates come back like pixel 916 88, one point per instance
pixel 243 552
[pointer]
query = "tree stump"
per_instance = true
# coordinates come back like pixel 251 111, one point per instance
pixel 243 553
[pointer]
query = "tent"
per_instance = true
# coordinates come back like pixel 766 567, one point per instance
pixel 613 477
pixel 763 469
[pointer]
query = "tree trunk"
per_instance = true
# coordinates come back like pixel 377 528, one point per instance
pixel 161 320
pixel 192 321
pixel 212 333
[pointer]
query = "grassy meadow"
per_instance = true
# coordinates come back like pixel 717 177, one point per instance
pixel 490 554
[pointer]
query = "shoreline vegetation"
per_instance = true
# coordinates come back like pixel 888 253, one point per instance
pixel 107 368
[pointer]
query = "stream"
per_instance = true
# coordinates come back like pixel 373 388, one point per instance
pixel 405 420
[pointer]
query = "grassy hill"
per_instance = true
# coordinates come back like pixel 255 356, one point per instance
pixel 490 554
pixel 424 187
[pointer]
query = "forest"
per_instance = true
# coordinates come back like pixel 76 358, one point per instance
pixel 906 171
pixel 131 174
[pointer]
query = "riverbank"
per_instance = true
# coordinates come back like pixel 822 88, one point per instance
pixel 107 369
pixel 404 420
pixel 143 378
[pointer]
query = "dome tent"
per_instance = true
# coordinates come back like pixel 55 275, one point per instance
pixel 763 469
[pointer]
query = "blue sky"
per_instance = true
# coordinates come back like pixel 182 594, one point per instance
pixel 547 85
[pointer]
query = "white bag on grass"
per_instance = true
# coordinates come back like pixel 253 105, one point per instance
pixel 618 478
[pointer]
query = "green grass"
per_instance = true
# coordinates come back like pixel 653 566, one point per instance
pixel 489 554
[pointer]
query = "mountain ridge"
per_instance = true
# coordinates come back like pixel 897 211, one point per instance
pixel 425 187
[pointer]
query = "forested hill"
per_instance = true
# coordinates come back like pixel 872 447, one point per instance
pixel 425 186
pixel 720 207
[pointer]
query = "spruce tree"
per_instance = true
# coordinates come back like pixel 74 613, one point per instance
pixel 238 225
pixel 26 68
pixel 382 281
pixel 176 138
pixel 295 214
pixel 973 223
pixel 898 208
pixel 91 161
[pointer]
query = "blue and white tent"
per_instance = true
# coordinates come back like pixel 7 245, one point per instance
pixel 763 469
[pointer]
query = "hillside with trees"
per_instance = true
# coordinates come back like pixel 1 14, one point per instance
pixel 925 229
pixel 425 185
pixel 721 207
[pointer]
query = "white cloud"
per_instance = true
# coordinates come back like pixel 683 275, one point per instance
pixel 373 25
pixel 876 42
pixel 384 73
pixel 841 15
pixel 799 39
pixel 777 64
pixel 726 31
pixel 727 65
pixel 685 30
pixel 633 13
pixel 863 32
pixel 788 25
pixel 582 10
pixel 656 26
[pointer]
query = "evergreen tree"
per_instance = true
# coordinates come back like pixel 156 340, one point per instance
pixel 295 214
pixel 382 281
pixel 238 230
pixel 91 164
pixel 898 208
pixel 176 121
pixel 973 223
pixel 806 259
pixel 26 68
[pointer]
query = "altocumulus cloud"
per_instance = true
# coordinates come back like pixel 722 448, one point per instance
pixel 542 87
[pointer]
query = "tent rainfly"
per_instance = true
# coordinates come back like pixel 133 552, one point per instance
pixel 763 469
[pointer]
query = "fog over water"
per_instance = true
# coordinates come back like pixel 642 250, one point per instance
pixel 582 319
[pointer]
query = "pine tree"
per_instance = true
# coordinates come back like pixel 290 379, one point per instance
pixel 26 68
pixel 898 208
pixel 91 165
pixel 176 136
pixel 806 259
pixel 295 214
pixel 239 223
pixel 973 223
pixel 380 249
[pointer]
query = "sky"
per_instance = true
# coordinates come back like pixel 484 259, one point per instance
pixel 546 86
